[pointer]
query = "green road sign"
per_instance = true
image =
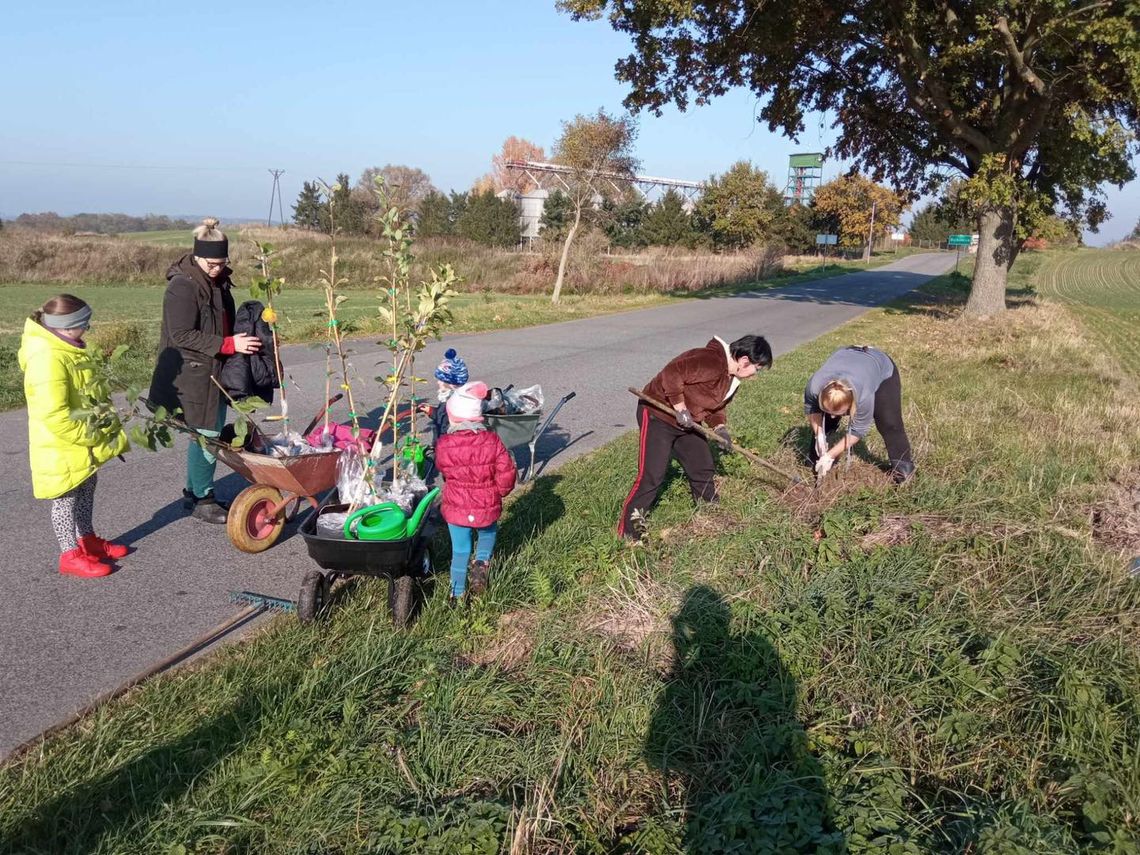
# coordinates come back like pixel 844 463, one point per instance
pixel 959 240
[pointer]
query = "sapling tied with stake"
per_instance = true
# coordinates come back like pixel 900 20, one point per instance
pixel 414 314
pixel 265 286
pixel 333 300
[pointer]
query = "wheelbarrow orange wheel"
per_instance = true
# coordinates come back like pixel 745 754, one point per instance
pixel 252 524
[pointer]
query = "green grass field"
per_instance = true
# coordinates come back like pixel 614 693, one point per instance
pixel 169 237
pixel 1103 289
pixel 950 667
pixel 131 314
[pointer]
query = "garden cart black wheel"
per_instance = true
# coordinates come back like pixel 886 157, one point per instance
pixel 254 522
pixel 314 595
pixel 402 599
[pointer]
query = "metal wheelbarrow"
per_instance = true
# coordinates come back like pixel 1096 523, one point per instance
pixel 278 486
pixel 523 429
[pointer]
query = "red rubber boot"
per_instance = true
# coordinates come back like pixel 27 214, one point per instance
pixel 78 563
pixel 96 547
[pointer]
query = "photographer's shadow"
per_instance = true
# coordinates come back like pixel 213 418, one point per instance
pixel 726 728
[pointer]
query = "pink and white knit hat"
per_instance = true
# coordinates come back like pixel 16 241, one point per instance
pixel 466 403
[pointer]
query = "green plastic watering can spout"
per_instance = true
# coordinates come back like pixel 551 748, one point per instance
pixel 421 511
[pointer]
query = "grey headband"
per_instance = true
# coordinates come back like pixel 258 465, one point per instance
pixel 79 319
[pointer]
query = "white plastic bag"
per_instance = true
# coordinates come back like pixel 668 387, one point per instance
pixel 528 400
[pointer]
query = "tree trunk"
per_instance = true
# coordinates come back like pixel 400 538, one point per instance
pixel 995 255
pixel 566 255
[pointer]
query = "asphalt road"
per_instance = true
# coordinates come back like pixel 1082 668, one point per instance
pixel 64 641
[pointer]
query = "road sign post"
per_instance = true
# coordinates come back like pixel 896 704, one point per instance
pixel 958 241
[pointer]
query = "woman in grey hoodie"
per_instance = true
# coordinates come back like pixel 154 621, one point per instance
pixel 863 384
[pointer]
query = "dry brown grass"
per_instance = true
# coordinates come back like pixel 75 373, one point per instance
pixel 1116 518
pixel 807 501
pixel 511 646
pixel 634 618
pixel 73 260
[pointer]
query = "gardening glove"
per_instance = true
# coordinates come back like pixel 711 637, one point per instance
pixel 820 444
pixel 685 419
pixel 824 465
pixel 725 439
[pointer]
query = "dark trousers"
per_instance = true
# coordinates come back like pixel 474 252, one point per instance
pixel 659 442
pixel 889 421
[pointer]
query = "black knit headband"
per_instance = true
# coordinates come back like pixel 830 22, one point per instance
pixel 212 248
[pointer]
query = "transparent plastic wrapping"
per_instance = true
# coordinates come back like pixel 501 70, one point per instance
pixel 528 400
pixel 351 485
pixel 331 524
pixel 405 492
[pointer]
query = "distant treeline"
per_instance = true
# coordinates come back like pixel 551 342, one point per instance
pixel 104 224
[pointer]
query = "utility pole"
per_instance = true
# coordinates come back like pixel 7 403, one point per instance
pixel 871 233
pixel 275 192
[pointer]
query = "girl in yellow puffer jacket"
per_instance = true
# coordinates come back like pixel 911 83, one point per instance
pixel 65 453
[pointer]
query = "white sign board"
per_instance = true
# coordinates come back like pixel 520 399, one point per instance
pixel 829 240
pixel 898 235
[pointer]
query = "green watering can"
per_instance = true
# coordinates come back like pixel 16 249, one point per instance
pixel 387 521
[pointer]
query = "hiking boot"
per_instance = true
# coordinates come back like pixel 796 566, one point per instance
pixel 97 547
pixel 478 577
pixel 454 602
pixel 78 563
pixel 207 509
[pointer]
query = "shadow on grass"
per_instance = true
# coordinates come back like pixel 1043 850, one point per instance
pixel 944 297
pixel 726 727
pixel 868 288
pixel 79 819
pixel 530 514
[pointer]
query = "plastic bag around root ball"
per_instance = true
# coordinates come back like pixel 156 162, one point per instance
pixel 528 400
pixel 351 485
pixel 405 492
pixel 331 524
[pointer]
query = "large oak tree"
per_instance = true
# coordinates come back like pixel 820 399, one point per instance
pixel 1032 101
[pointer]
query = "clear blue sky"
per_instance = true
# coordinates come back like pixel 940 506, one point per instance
pixel 181 108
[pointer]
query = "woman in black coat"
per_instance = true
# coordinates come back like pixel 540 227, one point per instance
pixel 197 336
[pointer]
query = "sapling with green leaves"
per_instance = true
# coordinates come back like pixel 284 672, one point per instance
pixel 333 301
pixel 414 314
pixel 99 414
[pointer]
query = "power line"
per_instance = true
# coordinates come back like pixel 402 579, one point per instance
pixel 180 168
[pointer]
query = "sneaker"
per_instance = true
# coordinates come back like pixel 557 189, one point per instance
pixel 97 547
pixel 637 532
pixel 78 563
pixel 478 577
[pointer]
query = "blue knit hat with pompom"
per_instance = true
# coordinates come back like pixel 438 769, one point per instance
pixel 452 370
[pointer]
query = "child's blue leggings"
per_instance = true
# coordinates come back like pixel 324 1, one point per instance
pixel 461 537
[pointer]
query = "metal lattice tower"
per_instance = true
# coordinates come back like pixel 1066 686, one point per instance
pixel 805 174
pixel 551 176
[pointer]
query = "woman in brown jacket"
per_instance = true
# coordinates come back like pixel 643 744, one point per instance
pixel 197 336
pixel 698 385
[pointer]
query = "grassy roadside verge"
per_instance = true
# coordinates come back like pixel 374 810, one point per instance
pixel 132 314
pixel 949 667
